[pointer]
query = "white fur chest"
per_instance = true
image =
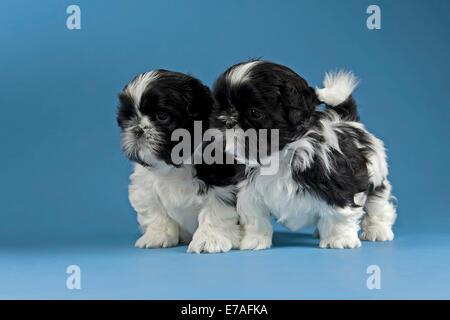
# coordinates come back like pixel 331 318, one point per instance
pixel 177 192
pixel 174 189
pixel 287 200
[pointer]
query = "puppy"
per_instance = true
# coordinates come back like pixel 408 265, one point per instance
pixel 331 171
pixel 175 202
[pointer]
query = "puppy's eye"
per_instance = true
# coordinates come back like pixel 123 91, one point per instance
pixel 255 114
pixel 162 116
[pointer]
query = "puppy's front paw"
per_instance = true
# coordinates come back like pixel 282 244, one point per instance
pixel 255 241
pixel 210 240
pixel 340 242
pixel 377 233
pixel 157 239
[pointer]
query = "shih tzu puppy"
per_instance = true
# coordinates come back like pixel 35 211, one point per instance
pixel 175 202
pixel 332 173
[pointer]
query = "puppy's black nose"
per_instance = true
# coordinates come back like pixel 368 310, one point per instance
pixel 229 125
pixel 138 132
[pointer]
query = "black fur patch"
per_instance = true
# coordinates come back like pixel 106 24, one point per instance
pixel 347 110
pixel 347 176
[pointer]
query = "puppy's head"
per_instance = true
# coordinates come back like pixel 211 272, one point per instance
pixel 152 106
pixel 264 95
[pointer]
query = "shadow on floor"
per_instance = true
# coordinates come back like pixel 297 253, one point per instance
pixel 294 239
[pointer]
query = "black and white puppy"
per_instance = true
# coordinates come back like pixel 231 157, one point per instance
pixel 331 170
pixel 175 202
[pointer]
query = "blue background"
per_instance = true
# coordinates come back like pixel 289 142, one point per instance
pixel 64 180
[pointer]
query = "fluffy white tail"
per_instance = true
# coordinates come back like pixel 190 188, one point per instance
pixel 337 87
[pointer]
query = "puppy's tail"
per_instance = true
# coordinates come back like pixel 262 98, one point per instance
pixel 337 94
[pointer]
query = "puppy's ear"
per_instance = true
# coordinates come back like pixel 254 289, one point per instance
pixel 201 101
pixel 299 101
pixel 125 109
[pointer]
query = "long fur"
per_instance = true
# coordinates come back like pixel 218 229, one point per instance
pixel 175 203
pixel 332 171
pixel 337 87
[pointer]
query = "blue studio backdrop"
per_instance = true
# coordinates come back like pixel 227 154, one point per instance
pixel 64 180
